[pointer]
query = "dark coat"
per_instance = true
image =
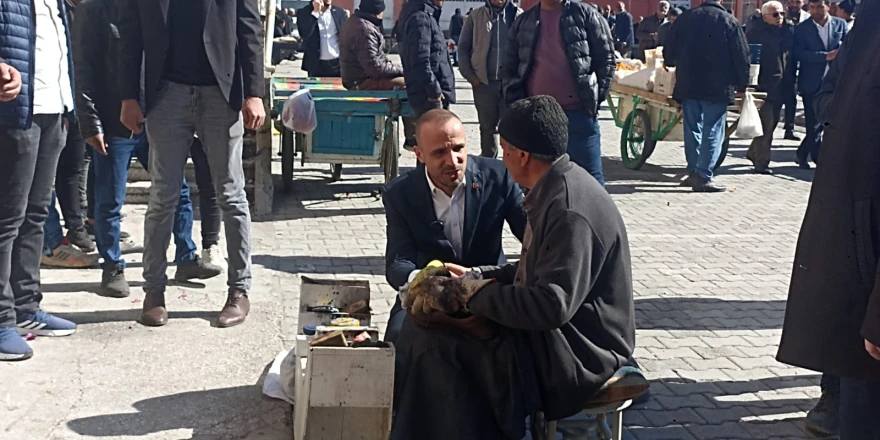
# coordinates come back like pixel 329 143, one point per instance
pixel 236 57
pixel 810 52
pixel 588 46
pixel 307 26
pixel 834 298
pixel 415 238
pixel 18 38
pixel 424 54
pixel 623 29
pixel 825 96
pixel 648 26
pixel 95 45
pixel 776 76
pixel 361 54
pixel 710 54
pixel 456 24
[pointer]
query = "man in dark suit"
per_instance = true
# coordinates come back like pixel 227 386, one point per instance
pixel 816 42
pixel 188 86
pixel 319 25
pixel 451 208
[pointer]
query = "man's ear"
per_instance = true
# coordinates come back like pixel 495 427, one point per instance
pixel 418 153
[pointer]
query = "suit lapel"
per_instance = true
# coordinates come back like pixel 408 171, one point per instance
pixel 473 202
pixel 423 206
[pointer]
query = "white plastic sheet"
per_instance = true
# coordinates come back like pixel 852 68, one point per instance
pixel 749 126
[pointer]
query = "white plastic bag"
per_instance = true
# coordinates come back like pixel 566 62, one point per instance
pixel 749 126
pixel 298 113
pixel 642 79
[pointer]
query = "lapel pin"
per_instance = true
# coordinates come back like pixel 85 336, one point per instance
pixel 475 186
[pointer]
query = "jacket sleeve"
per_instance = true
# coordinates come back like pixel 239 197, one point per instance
pixel 825 95
pixel 510 63
pixel 601 43
pixel 131 49
pixel 401 252
pixel 563 278
pixel 739 55
pixel 85 59
pixel 871 323
pixel 669 49
pixel 418 39
pixel 250 48
pixel 305 23
pixel 502 274
pixel 802 53
pixel 372 59
pixel 465 50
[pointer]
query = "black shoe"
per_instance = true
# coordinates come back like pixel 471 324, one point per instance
pixel 789 134
pixel 689 180
pixel 764 169
pixel 196 269
pixel 113 283
pixel 706 185
pixel 80 238
pixel 823 418
pixel 803 163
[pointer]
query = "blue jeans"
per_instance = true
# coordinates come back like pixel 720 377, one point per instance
pixel 859 408
pixel 455 54
pixel 111 177
pixel 585 142
pixel 704 125
pixel 53 235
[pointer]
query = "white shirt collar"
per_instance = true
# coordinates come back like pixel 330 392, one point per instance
pixel 434 188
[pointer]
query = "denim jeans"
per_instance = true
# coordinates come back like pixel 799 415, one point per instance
pixel 859 409
pixel 111 177
pixel 585 142
pixel 53 235
pixel 704 125
pixel 30 157
pixel 178 113
pixel 209 212
pixel 813 140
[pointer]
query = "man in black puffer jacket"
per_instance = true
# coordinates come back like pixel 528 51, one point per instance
pixel 424 53
pixel 571 34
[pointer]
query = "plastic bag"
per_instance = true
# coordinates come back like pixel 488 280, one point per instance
pixel 643 79
pixel 298 113
pixel 749 126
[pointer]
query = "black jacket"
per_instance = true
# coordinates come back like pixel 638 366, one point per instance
pixel 825 96
pixel 95 39
pixel 776 76
pixel 424 54
pixel 709 51
pixel 834 299
pixel 360 51
pixel 235 56
pixel 307 26
pixel 588 45
pixel 456 24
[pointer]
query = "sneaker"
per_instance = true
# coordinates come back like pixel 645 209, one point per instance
pixel 128 246
pixel 213 255
pixel 12 346
pixel 823 418
pixel 44 324
pixel 68 257
pixel 80 238
pixel 113 283
pixel 196 269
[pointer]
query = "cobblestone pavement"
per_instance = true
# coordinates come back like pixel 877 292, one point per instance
pixel 710 275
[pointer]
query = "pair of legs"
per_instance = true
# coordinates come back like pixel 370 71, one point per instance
pixel 705 123
pixel 179 112
pixel 27 171
pixel 409 123
pixel 859 407
pixel 489 100
pixel 585 142
pixel 326 69
pixel 809 148
pixel 759 149
pixel 790 103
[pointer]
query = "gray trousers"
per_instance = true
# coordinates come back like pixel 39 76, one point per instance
pixel 489 100
pixel 179 112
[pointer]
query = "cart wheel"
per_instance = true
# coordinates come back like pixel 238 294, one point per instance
pixel 336 171
pixel 723 154
pixel 636 140
pixel 287 157
pixel 390 158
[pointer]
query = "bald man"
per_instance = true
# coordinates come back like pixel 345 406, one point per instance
pixel 452 207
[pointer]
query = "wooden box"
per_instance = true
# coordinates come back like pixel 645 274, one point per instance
pixel 664 81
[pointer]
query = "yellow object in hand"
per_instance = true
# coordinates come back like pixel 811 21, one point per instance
pixel 433 268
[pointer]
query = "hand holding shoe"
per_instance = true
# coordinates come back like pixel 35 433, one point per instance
pixel 443 294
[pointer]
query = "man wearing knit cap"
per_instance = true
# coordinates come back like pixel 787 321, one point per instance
pixel 560 321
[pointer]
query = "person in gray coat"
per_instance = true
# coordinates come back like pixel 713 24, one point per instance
pixel 481 49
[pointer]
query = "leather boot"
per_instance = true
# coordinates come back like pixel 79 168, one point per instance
pixel 235 310
pixel 155 314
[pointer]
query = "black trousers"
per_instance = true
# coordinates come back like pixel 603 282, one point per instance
pixel 209 212
pixel 72 168
pixel 30 158
pixel 326 69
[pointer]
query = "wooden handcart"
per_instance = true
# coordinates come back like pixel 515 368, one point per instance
pixel 646 118
pixel 354 127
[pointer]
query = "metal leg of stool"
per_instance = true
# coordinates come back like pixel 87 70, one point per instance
pixel 550 434
pixel 617 425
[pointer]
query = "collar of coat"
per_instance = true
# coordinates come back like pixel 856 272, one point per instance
pixel 432 9
pixel 369 17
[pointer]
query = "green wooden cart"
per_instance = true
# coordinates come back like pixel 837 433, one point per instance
pixel 646 118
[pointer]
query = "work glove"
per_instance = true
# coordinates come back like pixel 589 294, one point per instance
pixel 443 294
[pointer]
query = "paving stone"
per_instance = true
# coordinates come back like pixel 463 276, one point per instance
pixel 727 430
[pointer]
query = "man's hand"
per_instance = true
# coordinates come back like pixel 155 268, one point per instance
pixel 443 294
pixel 831 55
pixel 437 99
pixel 131 116
pixel 254 113
pixel 475 83
pixel 10 82
pixel 456 270
pixel 97 142
pixel 873 350
pixel 317 6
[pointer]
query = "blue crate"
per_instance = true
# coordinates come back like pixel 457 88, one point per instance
pixel 345 135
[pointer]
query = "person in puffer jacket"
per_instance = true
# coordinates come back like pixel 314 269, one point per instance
pixel 571 34
pixel 424 53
